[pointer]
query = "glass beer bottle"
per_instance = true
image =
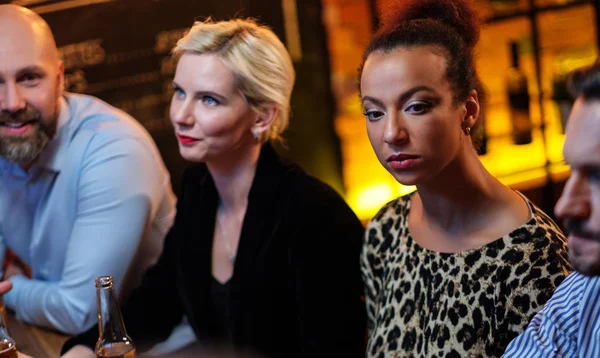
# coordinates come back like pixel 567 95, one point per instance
pixel 113 341
pixel 8 348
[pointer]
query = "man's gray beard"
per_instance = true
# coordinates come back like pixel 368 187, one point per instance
pixel 24 150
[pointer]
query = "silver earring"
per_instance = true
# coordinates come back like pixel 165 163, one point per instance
pixel 255 134
pixel 467 130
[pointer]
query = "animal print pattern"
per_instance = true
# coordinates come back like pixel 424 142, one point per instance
pixel 422 303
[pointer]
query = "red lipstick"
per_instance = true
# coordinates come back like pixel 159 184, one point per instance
pixel 185 140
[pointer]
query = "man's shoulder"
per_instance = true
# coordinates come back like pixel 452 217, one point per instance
pixel 88 113
pixel 584 287
pixel 573 305
pixel 82 106
pixel 573 293
pixel 563 325
pixel 95 123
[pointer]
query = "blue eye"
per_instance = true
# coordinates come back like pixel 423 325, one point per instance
pixel 209 100
pixel 419 107
pixel 178 93
pixel 373 115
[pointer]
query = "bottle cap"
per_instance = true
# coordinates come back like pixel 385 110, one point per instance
pixel 104 282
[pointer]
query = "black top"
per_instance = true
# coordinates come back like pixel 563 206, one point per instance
pixel 221 312
pixel 296 288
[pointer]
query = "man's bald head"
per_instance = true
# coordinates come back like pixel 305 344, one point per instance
pixel 31 78
pixel 27 27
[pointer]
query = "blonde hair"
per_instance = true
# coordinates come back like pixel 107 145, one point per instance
pixel 261 65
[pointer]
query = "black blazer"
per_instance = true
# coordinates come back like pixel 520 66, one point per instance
pixel 296 288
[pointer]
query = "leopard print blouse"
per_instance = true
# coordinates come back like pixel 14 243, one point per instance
pixel 422 303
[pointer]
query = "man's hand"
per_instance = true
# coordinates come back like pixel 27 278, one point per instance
pixel 5 286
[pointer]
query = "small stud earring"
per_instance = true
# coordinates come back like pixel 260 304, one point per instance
pixel 255 134
pixel 467 130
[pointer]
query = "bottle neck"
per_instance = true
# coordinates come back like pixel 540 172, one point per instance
pixel 110 322
pixel 4 336
pixel 3 315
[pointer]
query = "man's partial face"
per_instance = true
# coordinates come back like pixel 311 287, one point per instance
pixel 579 204
pixel 30 86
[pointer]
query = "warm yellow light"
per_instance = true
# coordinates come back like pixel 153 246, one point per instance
pixel 366 201
pixel 406 190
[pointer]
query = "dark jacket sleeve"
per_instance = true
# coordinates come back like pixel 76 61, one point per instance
pixel 153 309
pixel 331 316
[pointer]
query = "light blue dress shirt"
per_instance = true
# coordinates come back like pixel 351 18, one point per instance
pixel 97 197
pixel 568 326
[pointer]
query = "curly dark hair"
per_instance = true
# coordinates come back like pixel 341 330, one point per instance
pixel 452 25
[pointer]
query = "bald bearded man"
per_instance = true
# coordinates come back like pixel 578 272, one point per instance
pixel 83 191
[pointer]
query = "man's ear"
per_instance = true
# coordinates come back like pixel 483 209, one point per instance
pixel 61 78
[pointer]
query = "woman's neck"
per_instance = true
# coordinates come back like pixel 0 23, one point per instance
pixel 233 176
pixel 461 196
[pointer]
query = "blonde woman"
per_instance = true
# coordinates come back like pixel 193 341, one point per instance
pixel 262 256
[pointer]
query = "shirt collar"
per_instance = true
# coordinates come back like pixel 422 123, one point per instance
pixel 63 113
pixel 51 157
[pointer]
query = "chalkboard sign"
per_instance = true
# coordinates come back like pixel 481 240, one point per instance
pixel 119 51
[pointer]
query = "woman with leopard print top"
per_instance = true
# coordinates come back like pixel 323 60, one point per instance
pixel 458 268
